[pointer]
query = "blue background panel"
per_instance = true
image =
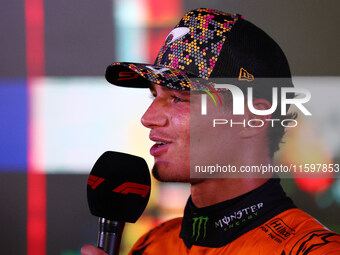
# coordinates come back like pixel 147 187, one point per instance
pixel 13 125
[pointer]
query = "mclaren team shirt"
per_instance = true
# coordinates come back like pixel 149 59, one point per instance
pixel 263 221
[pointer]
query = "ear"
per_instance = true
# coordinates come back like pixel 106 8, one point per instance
pixel 256 124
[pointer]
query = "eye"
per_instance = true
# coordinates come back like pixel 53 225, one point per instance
pixel 176 99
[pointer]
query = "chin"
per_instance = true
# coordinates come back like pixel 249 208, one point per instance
pixel 165 174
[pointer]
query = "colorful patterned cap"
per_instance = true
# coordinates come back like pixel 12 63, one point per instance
pixel 206 44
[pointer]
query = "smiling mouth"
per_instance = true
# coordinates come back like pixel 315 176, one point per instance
pixel 160 143
pixel 159 148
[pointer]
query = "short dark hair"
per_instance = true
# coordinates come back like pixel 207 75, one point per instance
pixel 276 133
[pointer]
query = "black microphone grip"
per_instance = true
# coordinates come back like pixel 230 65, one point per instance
pixel 110 235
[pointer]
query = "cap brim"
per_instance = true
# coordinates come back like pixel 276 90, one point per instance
pixel 138 75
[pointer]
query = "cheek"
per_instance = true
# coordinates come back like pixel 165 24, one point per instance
pixel 209 144
pixel 180 124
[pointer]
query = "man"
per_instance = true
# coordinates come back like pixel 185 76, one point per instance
pixel 243 215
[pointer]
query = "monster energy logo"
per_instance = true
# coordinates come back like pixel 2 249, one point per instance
pixel 197 225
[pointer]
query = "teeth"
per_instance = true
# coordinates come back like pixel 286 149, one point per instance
pixel 160 143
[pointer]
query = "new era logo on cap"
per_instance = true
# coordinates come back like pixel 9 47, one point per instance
pixel 245 76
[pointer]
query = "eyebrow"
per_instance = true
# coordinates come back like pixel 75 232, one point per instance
pixel 184 92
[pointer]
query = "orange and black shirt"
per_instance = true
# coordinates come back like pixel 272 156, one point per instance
pixel 263 221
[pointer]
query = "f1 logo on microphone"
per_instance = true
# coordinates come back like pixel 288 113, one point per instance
pixel 130 187
pixel 94 181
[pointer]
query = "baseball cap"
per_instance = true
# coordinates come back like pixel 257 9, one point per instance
pixel 209 44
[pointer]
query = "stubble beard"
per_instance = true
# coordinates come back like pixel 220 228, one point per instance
pixel 156 173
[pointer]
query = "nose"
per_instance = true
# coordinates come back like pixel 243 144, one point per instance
pixel 155 115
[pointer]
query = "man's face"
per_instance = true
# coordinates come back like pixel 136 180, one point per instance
pixel 168 117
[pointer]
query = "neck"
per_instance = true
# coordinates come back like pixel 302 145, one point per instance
pixel 212 191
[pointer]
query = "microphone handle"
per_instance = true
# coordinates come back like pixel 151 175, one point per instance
pixel 110 235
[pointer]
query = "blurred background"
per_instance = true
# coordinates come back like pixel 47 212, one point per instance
pixel 58 115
